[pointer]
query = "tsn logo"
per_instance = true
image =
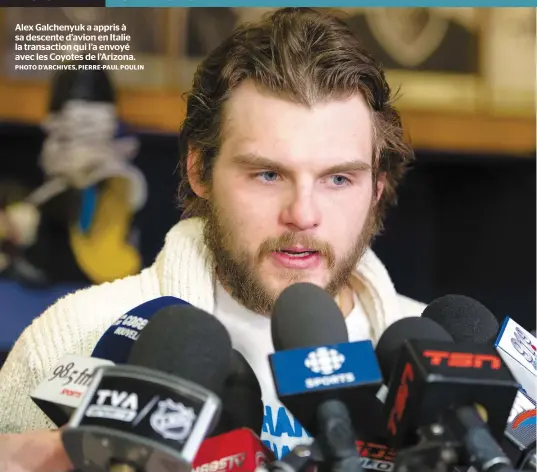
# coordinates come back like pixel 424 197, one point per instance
pixel 451 359
pixel 463 359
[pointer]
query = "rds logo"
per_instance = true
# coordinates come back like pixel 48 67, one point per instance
pixel 524 419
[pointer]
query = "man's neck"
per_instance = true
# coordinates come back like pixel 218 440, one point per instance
pixel 345 300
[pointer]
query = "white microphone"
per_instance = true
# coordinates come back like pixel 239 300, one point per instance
pixel 64 387
pixel 517 348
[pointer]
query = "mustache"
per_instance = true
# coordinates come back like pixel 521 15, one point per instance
pixel 291 239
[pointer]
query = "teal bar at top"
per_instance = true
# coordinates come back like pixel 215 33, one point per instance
pixel 319 3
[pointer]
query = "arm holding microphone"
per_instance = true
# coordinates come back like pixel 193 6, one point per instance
pixel 36 451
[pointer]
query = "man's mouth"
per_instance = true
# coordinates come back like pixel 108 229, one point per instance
pixel 298 253
pixel 297 258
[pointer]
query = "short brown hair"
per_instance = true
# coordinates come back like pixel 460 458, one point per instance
pixel 303 55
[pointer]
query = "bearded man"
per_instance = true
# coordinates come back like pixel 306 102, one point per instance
pixel 290 152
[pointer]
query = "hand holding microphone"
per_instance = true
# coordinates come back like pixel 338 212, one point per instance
pixel 35 451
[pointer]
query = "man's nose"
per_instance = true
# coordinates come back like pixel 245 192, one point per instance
pixel 301 212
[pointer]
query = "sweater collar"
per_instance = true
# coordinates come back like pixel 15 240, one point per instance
pixel 185 269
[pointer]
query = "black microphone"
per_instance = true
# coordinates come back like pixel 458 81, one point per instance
pixel 153 413
pixel 518 441
pixel 234 444
pixel 242 404
pixel 456 396
pixel 464 318
pixel 322 379
pixel 60 393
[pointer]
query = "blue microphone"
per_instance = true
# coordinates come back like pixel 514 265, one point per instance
pixel 116 342
pixel 61 391
pixel 328 383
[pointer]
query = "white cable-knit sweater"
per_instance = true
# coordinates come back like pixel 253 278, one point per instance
pixel 183 269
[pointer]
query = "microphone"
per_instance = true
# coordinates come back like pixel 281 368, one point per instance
pixel 373 456
pixel 116 342
pixel 464 318
pixel 63 388
pixel 242 404
pixel 153 413
pixel 457 396
pixel 320 377
pixel 519 443
pixel 517 347
pixel 239 451
pixel 514 344
pixel 233 444
pixel 408 329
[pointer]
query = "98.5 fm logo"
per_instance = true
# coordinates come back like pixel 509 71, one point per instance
pixel 525 346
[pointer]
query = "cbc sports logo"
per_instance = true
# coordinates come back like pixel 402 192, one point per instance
pixel 326 361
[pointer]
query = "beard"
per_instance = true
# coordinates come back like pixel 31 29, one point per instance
pixel 238 270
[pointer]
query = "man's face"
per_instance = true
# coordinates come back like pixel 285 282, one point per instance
pixel 291 195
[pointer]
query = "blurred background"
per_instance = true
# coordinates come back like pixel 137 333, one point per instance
pixel 465 222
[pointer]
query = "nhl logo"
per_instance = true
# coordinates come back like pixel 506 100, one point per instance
pixel 173 420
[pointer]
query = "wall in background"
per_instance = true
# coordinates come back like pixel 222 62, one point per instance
pixel 466 75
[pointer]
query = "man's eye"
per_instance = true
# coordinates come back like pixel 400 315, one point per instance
pixel 267 176
pixel 339 180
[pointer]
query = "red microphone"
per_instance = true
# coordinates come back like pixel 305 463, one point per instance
pixel 239 450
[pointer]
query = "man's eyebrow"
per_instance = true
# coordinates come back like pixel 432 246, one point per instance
pixel 349 166
pixel 261 162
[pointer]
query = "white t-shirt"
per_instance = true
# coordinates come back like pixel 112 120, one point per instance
pixel 251 336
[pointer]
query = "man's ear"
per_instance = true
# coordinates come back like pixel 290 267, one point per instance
pixel 381 182
pixel 193 173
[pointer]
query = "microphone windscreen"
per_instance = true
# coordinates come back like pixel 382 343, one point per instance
pixel 304 315
pixel 242 374
pixel 116 342
pixel 186 342
pixel 242 404
pixel 412 328
pixel 466 319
